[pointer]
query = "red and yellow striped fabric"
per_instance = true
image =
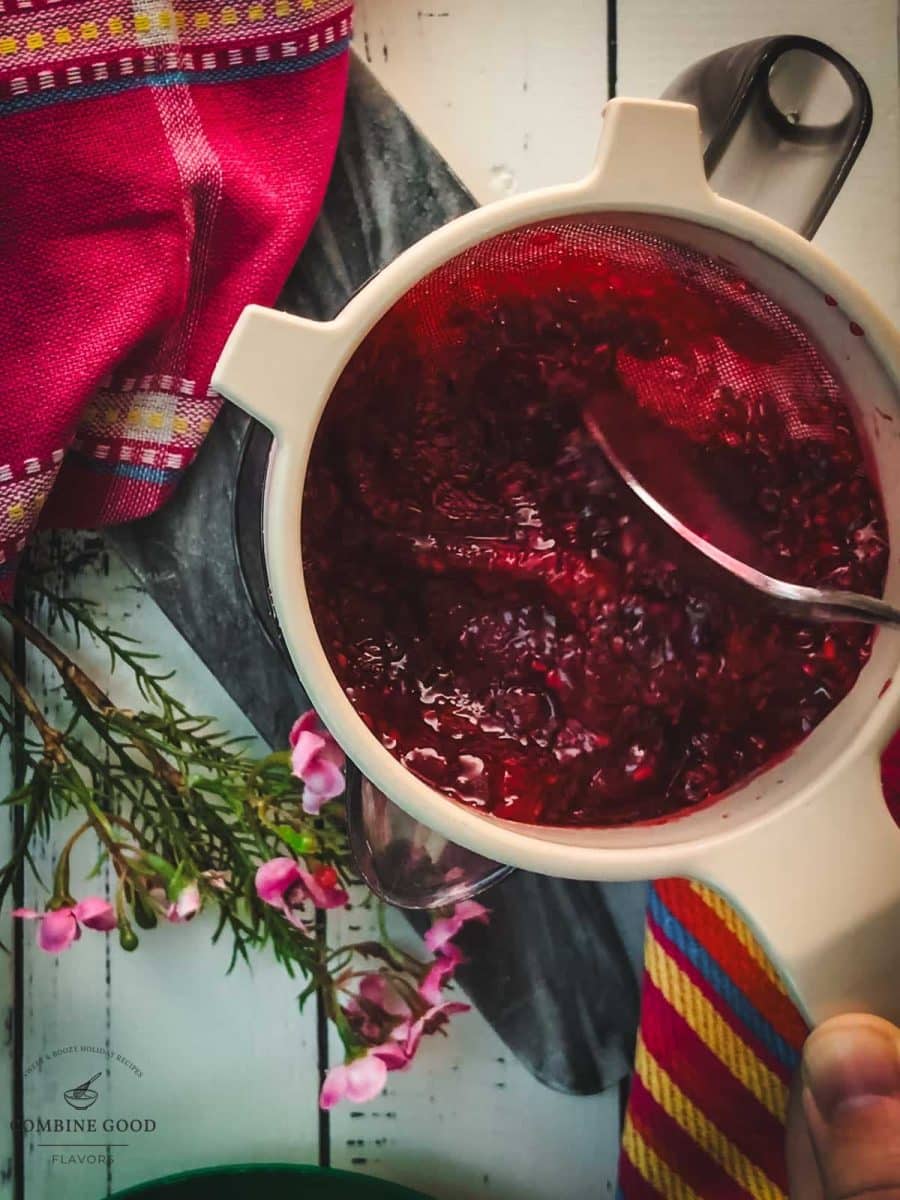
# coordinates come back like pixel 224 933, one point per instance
pixel 718 1045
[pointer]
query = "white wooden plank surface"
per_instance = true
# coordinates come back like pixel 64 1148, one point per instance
pixel 509 91
pixel 511 94
pixel 7 968
pixel 658 39
pixel 459 68
pixel 461 77
pixel 469 1121
pixel 228 1065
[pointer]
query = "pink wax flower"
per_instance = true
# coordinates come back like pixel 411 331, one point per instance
pixel 183 908
pixel 318 760
pixel 446 928
pixel 57 930
pixel 359 1080
pixel 375 991
pixel 431 1021
pixel 218 880
pixel 378 1010
pixel 363 1078
pixel 285 884
pixel 440 973
pixel 380 1015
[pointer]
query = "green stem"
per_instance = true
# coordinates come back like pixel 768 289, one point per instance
pixel 49 736
pixel 62 897
pixel 40 799
pixel 193 798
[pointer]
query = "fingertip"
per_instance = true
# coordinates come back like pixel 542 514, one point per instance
pixel 850 1059
pixel 803 1168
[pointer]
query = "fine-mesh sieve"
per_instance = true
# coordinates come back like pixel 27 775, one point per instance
pixel 681 371
pixel 806 847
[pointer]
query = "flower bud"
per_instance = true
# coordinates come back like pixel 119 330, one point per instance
pixel 128 939
pixel 144 915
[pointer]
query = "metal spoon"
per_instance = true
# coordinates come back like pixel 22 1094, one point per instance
pixel 406 863
pixel 654 461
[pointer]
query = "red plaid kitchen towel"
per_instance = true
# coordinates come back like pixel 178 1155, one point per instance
pixel 719 1042
pixel 161 164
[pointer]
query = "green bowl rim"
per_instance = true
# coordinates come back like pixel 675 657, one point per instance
pixel 140 1189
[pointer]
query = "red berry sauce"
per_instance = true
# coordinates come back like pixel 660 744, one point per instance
pixel 506 617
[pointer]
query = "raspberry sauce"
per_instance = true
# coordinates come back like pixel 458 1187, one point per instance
pixel 506 617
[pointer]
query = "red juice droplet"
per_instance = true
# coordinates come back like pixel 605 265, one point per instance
pixel 326 877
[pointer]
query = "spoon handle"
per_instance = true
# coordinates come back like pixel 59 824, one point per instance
pixel 831 605
pixel 83 1087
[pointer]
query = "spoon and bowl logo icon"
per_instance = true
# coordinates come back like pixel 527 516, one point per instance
pixel 82 1096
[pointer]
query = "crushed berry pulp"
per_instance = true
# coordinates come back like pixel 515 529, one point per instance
pixel 505 616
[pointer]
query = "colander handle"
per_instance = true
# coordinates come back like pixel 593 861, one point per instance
pixel 820 883
pixel 782 121
pixel 629 162
pixel 279 368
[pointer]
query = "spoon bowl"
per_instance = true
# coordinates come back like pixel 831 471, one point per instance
pixel 407 864
pixel 659 465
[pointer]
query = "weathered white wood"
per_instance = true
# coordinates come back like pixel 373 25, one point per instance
pixel 459 68
pixel 468 1120
pixel 460 77
pixel 7 969
pixel 228 1067
pixel 510 92
pixel 658 39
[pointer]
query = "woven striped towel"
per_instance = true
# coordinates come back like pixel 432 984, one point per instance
pixel 161 165
pixel 719 1042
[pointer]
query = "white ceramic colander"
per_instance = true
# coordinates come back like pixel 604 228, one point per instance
pixel 806 849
